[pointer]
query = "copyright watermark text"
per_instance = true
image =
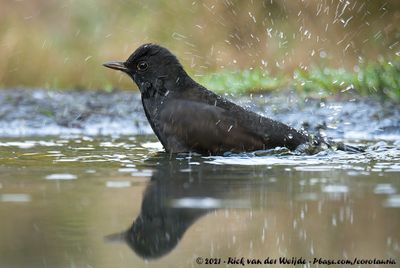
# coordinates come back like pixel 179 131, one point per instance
pixel 293 261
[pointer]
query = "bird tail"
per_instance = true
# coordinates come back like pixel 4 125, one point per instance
pixel 349 148
pixel 322 142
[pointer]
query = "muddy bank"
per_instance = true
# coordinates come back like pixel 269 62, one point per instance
pixel 36 112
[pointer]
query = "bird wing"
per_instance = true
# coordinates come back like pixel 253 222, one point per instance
pixel 189 125
pixel 270 132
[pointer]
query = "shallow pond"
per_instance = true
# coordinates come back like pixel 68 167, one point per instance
pixel 81 201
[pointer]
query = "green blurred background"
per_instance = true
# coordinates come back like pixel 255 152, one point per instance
pixel 61 44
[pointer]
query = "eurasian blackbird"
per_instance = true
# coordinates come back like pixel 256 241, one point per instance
pixel 187 117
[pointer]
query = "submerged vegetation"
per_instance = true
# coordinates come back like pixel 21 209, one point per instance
pixel 380 79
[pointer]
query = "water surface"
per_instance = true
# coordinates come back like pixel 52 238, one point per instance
pixel 80 201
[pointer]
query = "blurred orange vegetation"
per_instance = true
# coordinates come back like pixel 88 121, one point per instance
pixel 61 44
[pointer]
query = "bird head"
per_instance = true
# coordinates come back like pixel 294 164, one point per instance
pixel 151 67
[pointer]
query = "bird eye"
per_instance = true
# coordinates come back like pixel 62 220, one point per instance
pixel 142 66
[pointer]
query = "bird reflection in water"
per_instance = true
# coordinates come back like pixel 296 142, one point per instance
pixel 177 196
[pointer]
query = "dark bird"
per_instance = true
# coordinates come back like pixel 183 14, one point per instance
pixel 187 117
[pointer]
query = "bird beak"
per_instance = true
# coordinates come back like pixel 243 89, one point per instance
pixel 116 65
pixel 115 238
